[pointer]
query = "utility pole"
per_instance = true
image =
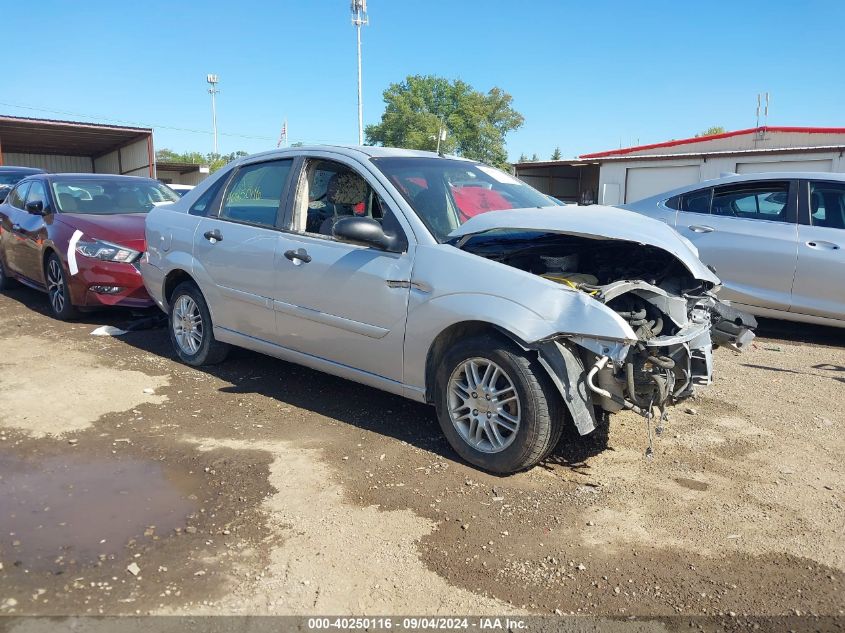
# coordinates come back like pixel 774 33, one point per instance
pixel 359 19
pixel 212 80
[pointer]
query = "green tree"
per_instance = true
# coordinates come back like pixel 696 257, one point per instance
pixel 522 158
pixel 167 155
pixel 535 158
pixel 556 154
pixel 214 161
pixel 421 106
pixel 714 129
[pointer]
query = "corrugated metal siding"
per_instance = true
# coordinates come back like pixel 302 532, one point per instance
pixel 141 171
pixel 135 156
pixel 107 164
pixel 50 162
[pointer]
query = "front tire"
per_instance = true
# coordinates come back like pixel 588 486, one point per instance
pixel 496 405
pixel 191 330
pixel 58 290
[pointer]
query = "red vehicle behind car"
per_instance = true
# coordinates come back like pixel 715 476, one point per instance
pixel 79 237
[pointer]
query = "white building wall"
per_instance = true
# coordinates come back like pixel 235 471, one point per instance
pixel 50 162
pixel 135 156
pixel 174 177
pixel 107 164
pixel 613 174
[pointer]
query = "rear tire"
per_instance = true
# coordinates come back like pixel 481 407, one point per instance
pixel 5 282
pixel 191 330
pixel 57 289
pixel 520 422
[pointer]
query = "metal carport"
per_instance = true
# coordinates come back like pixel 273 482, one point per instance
pixel 71 146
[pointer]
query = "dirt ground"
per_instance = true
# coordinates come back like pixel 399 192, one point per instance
pixel 132 484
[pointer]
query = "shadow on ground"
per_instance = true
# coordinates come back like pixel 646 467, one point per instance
pixel 367 408
pixel 800 332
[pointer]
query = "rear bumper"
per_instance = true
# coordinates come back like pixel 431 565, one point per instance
pixel 98 284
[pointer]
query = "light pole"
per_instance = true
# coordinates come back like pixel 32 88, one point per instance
pixel 212 80
pixel 359 19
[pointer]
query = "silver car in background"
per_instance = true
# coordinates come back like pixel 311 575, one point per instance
pixel 776 240
pixel 442 280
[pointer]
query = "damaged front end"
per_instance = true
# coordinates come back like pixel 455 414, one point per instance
pixel 676 331
pixel 669 318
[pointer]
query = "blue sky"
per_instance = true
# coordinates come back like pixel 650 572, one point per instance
pixel 587 76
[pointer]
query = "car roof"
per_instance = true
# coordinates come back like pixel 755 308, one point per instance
pixel 740 178
pixel 354 151
pixel 22 170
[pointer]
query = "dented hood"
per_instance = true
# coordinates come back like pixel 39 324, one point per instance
pixel 594 222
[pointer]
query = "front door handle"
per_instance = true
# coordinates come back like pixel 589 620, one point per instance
pixel 213 236
pixel 299 254
pixel 820 245
pixel 700 228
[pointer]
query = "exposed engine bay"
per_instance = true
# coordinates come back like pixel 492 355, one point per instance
pixel 676 319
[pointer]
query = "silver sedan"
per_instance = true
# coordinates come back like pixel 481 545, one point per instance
pixel 445 281
pixel 777 240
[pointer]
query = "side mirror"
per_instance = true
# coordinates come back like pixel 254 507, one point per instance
pixel 366 232
pixel 36 207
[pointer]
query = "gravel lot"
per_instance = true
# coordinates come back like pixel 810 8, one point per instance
pixel 130 483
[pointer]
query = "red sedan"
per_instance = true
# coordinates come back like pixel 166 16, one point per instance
pixel 78 237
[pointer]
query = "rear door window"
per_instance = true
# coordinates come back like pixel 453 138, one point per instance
pixel 754 201
pixel 255 193
pixel 827 204
pixel 696 201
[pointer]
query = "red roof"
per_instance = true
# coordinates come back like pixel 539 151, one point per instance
pixel 711 137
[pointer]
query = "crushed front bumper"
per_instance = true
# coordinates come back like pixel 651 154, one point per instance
pixel 597 376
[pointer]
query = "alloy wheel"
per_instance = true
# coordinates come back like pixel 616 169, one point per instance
pixel 56 285
pixel 484 405
pixel 186 321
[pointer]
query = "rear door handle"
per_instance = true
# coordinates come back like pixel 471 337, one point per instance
pixel 213 236
pixel 819 244
pixel 700 228
pixel 299 254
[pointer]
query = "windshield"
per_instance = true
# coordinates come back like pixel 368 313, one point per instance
pixel 445 193
pixel 11 177
pixel 110 196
